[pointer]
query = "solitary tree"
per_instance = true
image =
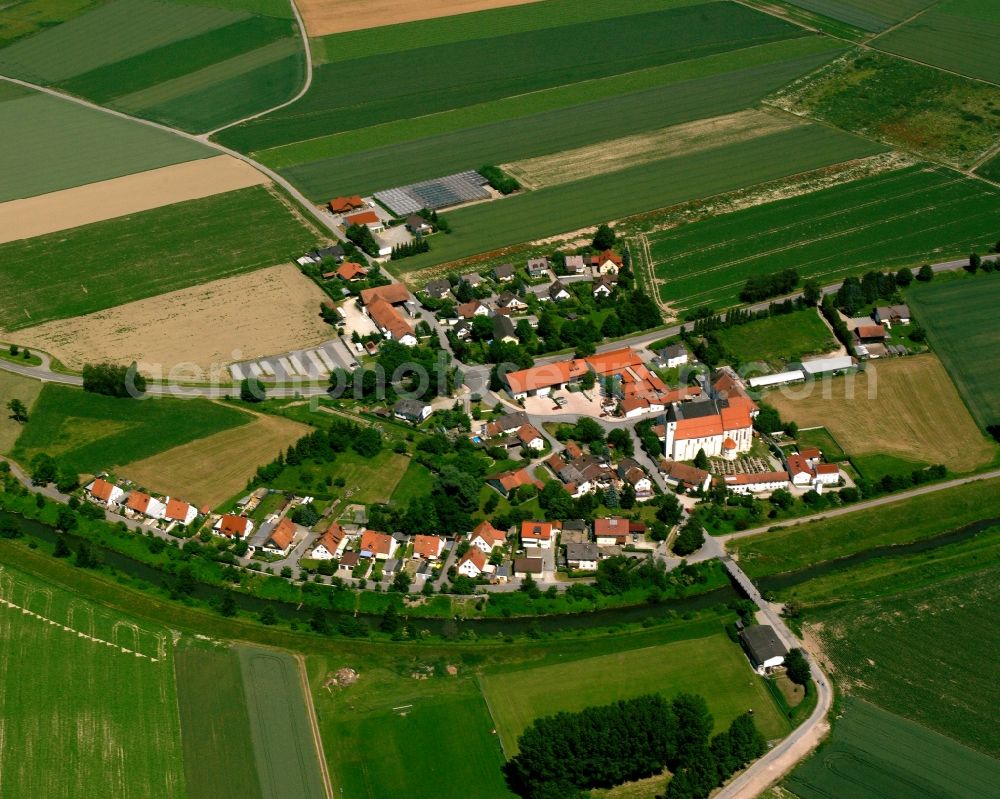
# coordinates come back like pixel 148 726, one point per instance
pixel 252 390
pixel 701 460
pixel 974 263
pixel 904 277
pixel 811 292
pixel 18 410
pixel 797 667
pixel 926 274
pixel 604 238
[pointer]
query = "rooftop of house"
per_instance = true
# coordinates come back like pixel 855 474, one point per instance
pixel 528 565
pixel 583 551
pixel 762 642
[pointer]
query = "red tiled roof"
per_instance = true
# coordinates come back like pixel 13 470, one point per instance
pixel 613 526
pixel 809 453
pixel 550 374
pixel 528 433
pixel 609 362
pixel 282 535
pixel 234 525
pixel 378 543
pixel 388 318
pixel 341 205
pixel 797 464
pixel 871 331
pixel 394 294
pixel 138 501
pixel 364 218
pixel 176 510
pixel 515 479
pixel 476 555
pixel 331 538
pixel 101 489
pixel 350 270
pixel 699 427
pixel 827 468
pixel 728 443
pixel 489 534
pixel 427 546
pixel 753 479
pixel 683 473
pixel 536 531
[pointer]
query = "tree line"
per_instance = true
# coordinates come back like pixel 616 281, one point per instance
pixel 565 755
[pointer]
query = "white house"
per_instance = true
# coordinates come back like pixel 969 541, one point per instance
pixel 232 526
pixel 281 538
pixel 178 511
pixel 631 472
pixel 530 437
pixel 827 474
pixel 674 355
pixel 145 505
pixel 330 544
pixel 510 301
pixel 799 470
pixel 427 547
pixel 583 556
pixel 558 292
pixel 105 493
pixel 472 563
pixel 377 545
pixel 411 410
pixel 485 537
pixel 576 265
pixel 755 483
pixel 537 534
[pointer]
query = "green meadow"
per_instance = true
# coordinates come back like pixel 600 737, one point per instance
pixel 778 339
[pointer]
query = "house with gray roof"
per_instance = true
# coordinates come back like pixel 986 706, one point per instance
pixel 763 647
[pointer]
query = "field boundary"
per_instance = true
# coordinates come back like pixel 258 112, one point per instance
pixel 314 724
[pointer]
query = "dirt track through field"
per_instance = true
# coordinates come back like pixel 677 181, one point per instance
pixel 266 312
pixel 211 470
pixel 907 407
pixel 629 151
pixel 323 17
pixel 107 199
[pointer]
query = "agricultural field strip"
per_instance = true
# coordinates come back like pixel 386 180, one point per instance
pixel 874 754
pixel 543 100
pixel 463 74
pixel 61 144
pixel 547 133
pixel 471 26
pixel 945 37
pixel 870 15
pixel 658 184
pixel 698 243
pixel 109 33
pixel 207 77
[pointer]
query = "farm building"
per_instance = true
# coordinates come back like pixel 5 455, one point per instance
pixel 435 194
pixel 381 305
pixel 869 334
pixel 368 219
pixel 778 379
pixel 105 493
pixel 763 647
pixel 345 205
pixel 890 315
pixel 688 477
pixel 821 366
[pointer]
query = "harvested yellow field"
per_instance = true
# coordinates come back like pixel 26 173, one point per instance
pixel 323 17
pixel 195 332
pixel 618 154
pixel 906 407
pixel 213 469
pixel 107 199
pixel 14 386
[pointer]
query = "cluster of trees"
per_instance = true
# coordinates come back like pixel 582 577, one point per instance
pixel 690 538
pixel 604 238
pixel 976 262
pixel 18 410
pixel 760 287
pixel 437 222
pixel 701 335
pixel 419 372
pixel 499 180
pixel 857 294
pixel 13 350
pixel 362 237
pixel 418 245
pixel 322 446
pixel 44 469
pixel 114 380
pixel 769 421
pixel 836 322
pixel 565 755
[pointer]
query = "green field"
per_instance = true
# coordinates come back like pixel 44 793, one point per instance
pixel 953 35
pixel 26 17
pixel 14 386
pixel 547 132
pixel 959 319
pixel 61 144
pixel 417 481
pixel 869 15
pixel 820 437
pixel 547 100
pixel 368 479
pixel 81 717
pixel 778 339
pixel 712 666
pixel 412 82
pixel 196 65
pixel 919 109
pixel 877 755
pixel 911 519
pixel 906 217
pixel 658 184
pixel 90 432
pixel 991 169
pixel 287 760
pixel 219 759
pixel 105 264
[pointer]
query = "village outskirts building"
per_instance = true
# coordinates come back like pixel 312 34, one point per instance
pixel 330 544
pixel 411 410
pixel 104 493
pixel 763 647
pixel 583 556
